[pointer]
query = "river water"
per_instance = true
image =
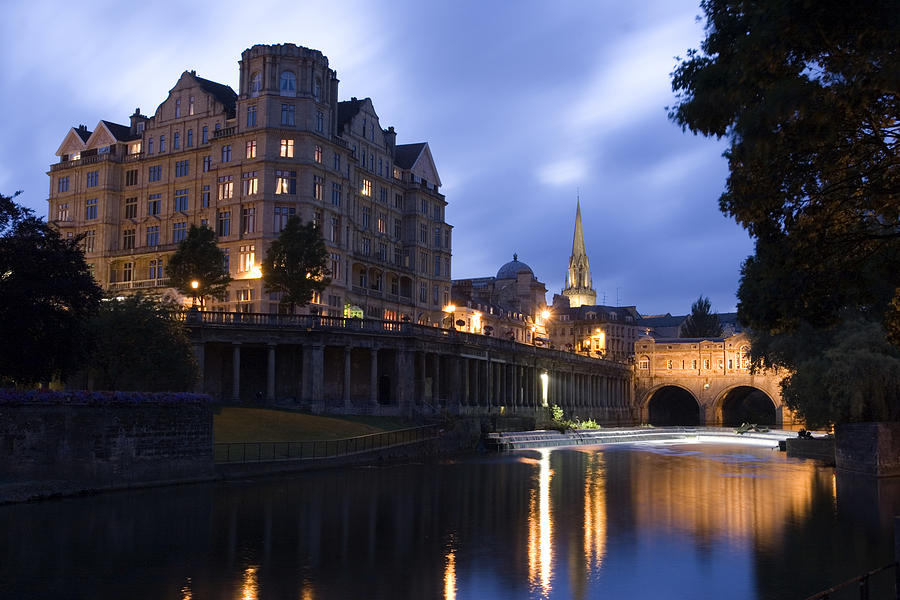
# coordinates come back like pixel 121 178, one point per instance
pixel 637 521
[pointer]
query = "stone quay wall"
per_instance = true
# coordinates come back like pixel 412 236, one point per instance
pixel 99 440
pixel 868 448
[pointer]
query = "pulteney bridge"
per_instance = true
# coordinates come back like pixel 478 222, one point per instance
pixel 705 382
pixel 332 364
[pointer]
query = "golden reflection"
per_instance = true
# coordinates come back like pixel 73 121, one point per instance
pixel 540 529
pixel 307 592
pixel 450 576
pixel 186 590
pixel 754 499
pixel 595 511
pixel 250 588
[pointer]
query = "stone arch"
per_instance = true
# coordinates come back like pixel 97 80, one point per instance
pixel 671 404
pixel 742 403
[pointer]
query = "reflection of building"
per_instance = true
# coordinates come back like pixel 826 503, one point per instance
pixel 244 162
pixel 510 305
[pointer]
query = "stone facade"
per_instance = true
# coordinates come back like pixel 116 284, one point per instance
pixel 242 163
pixel 595 330
pixel 711 378
pixel 579 288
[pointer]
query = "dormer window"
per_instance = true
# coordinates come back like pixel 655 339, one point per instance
pixel 288 84
pixel 255 84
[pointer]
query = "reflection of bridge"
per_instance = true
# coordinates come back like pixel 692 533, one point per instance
pixel 334 364
pixel 705 381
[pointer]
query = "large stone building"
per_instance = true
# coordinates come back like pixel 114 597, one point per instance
pixel 243 162
pixel 511 305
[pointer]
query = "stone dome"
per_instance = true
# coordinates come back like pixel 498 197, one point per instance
pixel 512 269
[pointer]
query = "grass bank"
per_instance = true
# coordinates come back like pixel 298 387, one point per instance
pixel 240 424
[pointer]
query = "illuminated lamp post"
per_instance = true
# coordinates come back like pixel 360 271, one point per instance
pixel 194 285
pixel 451 316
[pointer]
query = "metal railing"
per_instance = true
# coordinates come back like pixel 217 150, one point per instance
pixel 251 452
pixel 862 582
pixel 213 319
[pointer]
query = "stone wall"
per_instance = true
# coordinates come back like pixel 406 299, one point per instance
pixel 107 442
pixel 869 448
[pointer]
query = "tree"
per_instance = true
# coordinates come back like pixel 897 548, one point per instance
pixel 807 94
pixel 47 295
pixel 140 346
pixel 199 259
pixel 702 322
pixel 295 264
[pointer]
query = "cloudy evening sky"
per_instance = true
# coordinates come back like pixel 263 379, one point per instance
pixel 522 103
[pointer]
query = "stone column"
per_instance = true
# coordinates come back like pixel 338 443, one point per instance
pixel 465 381
pixel 200 357
pixel 270 373
pixel 236 371
pixel 456 383
pixel 420 378
pixel 373 377
pixel 346 397
pixel 315 378
pixel 436 381
pixel 406 380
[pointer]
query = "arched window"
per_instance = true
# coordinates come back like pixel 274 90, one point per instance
pixel 644 362
pixel 288 84
pixel 745 357
pixel 255 84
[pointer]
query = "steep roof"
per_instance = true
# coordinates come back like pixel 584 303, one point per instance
pixel 347 109
pixel 221 92
pixel 407 154
pixel 83 133
pixel 578 238
pixel 122 133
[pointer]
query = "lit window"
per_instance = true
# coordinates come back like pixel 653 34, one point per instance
pixel 285 182
pixel 246 258
pixel 250 182
pixel 251 149
pixel 317 187
pixel 367 187
pixel 317 154
pixel 177 107
pixel 191 105
pixel 226 187
pixel 287 148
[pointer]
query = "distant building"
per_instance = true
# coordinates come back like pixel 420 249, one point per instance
pixel 579 287
pixel 595 330
pixel 243 162
pixel 510 305
pixel 669 326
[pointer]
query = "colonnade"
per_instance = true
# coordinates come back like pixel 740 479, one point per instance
pixel 347 374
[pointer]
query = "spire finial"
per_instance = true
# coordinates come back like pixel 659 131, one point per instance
pixel 515 257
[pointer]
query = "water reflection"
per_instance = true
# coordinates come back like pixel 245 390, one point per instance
pixel 540 529
pixel 686 521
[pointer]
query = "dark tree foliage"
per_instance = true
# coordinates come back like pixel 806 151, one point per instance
pixel 807 92
pixel 47 296
pixel 139 345
pixel 702 322
pixel 295 264
pixel 199 259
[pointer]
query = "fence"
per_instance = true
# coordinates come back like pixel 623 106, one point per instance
pixel 249 452
pixel 862 583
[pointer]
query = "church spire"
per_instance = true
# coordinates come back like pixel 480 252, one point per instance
pixel 579 287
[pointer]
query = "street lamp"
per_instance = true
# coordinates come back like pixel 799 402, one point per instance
pixel 450 310
pixel 194 285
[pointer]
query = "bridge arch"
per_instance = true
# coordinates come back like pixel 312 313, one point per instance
pixel 744 403
pixel 671 404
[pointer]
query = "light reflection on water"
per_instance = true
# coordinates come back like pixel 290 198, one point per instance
pixel 691 521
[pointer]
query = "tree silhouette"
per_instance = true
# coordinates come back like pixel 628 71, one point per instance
pixel 295 264
pixel 702 322
pixel 199 259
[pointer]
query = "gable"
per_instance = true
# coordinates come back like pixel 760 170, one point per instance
pixel 101 137
pixel 71 144
pixel 424 167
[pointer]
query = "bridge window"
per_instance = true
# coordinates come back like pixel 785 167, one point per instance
pixel 694 364
pixel 745 357
pixel 669 365
pixel 706 364
pixel 644 363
